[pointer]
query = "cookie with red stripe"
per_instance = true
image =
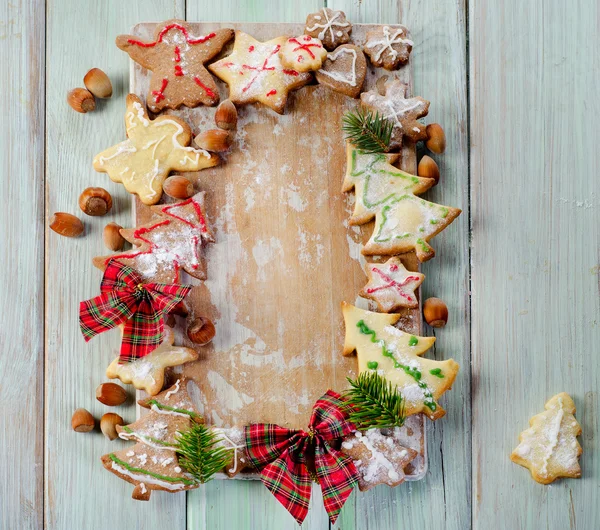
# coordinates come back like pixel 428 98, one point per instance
pixel 176 57
pixel 255 73
pixel 304 53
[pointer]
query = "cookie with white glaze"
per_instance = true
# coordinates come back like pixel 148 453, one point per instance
pixel 344 70
pixel 388 46
pixel 329 26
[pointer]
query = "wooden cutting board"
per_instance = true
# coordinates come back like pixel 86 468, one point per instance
pixel 284 257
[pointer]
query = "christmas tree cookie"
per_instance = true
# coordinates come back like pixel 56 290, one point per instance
pixel 549 448
pixel 152 150
pixel 396 356
pixel 254 72
pixel 170 243
pixel 403 221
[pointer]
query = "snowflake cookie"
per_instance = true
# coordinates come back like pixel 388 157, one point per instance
pixel 388 47
pixel 329 26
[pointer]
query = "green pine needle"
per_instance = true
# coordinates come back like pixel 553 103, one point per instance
pixel 198 454
pixel 369 132
pixel 374 402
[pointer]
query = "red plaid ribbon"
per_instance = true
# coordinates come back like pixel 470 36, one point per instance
pixel 141 307
pixel 281 454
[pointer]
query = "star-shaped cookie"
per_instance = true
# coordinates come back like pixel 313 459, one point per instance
pixel 254 72
pixel 391 285
pixel 379 459
pixel 152 150
pixel 176 58
pixel 148 373
pixel 388 47
pixel 401 111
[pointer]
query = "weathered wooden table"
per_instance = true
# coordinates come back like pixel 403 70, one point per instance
pixel 514 84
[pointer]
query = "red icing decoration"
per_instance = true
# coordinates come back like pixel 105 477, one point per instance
pixel 291 72
pixel 208 91
pixel 263 68
pixel 392 283
pixel 159 94
pixel 394 267
pixel 271 92
pixel 199 40
pixel 305 47
pixel 251 48
pixel 177 54
pixel 178 71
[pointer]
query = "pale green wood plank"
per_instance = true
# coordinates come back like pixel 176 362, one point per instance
pixel 442 499
pixel 535 200
pixel 22 264
pixel 235 503
pixel 80 493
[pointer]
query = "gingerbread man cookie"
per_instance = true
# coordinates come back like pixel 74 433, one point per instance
pixel 152 150
pixel 303 53
pixel 549 448
pixel 254 72
pixel 388 47
pixel 379 459
pixel 391 285
pixel 329 26
pixel 344 70
pixel 403 112
pixel 148 373
pixel 176 59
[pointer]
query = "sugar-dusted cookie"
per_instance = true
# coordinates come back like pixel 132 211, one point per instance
pixel 167 245
pixel 391 285
pixel 403 221
pixel 234 439
pixel 254 72
pixel 401 111
pixel 148 373
pixel 388 47
pixel 549 448
pixel 379 459
pixel 329 26
pixel 152 150
pixel 303 54
pixel 396 355
pixel 344 70
pixel 174 401
pixel 176 58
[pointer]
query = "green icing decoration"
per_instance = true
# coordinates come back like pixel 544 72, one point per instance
pixel 413 341
pixel 175 480
pixel 372 365
pixel 423 244
pixel 437 372
pixel 172 409
pixel 146 437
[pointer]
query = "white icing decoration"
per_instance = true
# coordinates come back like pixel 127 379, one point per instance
pixel 124 147
pixel 177 469
pixel 336 76
pixel 166 462
pixel 233 445
pixel 552 435
pixel 388 41
pixel 144 439
pixel 177 145
pixel 329 24
pixel 143 487
pixel 174 391
pixel 147 478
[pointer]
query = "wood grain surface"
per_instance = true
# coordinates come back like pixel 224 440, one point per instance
pixel 521 162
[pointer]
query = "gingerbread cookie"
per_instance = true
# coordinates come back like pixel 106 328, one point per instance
pixel 152 150
pixel 344 70
pixel 148 373
pixel 329 26
pixel 165 246
pixel 549 448
pixel 174 401
pixel 379 459
pixel 403 221
pixel 254 72
pixel 391 286
pixel 396 355
pixel 303 54
pixel 388 47
pixel 176 59
pixel 401 111
pixel 234 439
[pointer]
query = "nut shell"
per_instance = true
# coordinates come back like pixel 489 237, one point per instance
pixel 111 235
pixel 82 421
pixel 428 168
pixel 435 312
pixel 436 138
pixel 201 331
pixel 226 115
pixel 178 187
pixel 111 394
pixel 98 83
pixel 81 100
pixel 95 201
pixel 66 224
pixel 214 140
pixel 108 425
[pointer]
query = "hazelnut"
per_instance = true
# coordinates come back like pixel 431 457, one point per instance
pixel 436 139
pixel 66 224
pixel 226 115
pixel 82 421
pixel 81 100
pixel 108 425
pixel 428 169
pixel 435 312
pixel 111 394
pixel 111 235
pixel 95 201
pixel 201 331
pixel 178 187
pixel 215 140
pixel 98 83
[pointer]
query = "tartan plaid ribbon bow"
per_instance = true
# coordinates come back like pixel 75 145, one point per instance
pixel 282 455
pixel 139 306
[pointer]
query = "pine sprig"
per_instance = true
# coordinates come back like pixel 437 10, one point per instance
pixel 374 402
pixel 369 132
pixel 198 453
